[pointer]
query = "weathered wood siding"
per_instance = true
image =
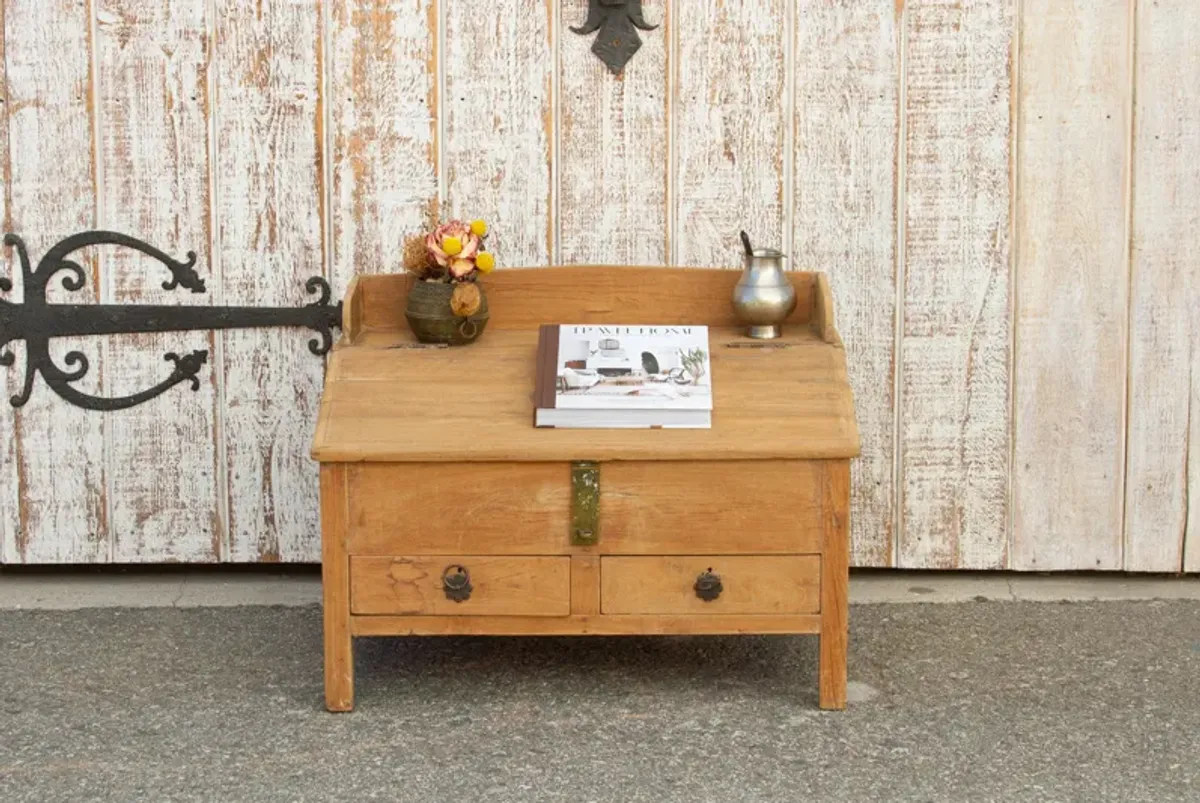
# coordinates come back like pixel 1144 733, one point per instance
pixel 1005 194
pixel 1072 279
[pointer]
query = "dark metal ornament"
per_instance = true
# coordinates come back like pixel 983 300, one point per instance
pixel 456 582
pixel 708 586
pixel 617 21
pixel 37 322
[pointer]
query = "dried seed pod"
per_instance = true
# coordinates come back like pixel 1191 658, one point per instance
pixel 466 300
pixel 416 257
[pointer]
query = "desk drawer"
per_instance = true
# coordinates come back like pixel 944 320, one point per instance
pixel 460 585
pixel 776 584
pixel 458 509
pixel 754 507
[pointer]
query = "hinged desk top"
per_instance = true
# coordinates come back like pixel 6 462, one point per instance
pixel 384 402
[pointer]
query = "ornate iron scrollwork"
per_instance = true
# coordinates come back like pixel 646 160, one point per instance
pixel 37 322
pixel 617 21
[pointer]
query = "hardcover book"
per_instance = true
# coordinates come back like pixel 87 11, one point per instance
pixel 613 377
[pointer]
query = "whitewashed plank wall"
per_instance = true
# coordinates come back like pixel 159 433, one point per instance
pixel 1005 193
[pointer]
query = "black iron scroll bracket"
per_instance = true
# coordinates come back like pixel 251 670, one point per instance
pixel 37 322
pixel 618 22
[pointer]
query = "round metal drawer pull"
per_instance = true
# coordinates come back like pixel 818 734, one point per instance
pixel 456 582
pixel 708 586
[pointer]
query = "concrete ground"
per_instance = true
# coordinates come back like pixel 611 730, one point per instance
pixel 995 699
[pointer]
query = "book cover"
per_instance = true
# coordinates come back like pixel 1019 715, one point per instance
pixel 616 368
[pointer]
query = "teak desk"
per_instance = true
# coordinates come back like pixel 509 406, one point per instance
pixel 445 512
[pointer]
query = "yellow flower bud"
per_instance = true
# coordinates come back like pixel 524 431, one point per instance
pixel 479 228
pixel 485 262
pixel 453 246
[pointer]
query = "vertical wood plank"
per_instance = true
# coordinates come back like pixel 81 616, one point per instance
pixel 730 120
pixel 268 202
pixel 162 486
pixel 613 147
pixel 383 96
pixel 1163 481
pixel 1072 285
pixel 585 584
pixel 10 485
pixel 499 122
pixel 955 348
pixel 847 68
pixel 52 194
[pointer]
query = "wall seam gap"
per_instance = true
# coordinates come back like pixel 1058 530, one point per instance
pixel 1128 189
pixel 440 110
pixel 1014 139
pixel 104 283
pixel 224 491
pixel 901 265
pixel 555 255
pixel 672 78
pixel 788 235
pixel 6 537
pixel 325 59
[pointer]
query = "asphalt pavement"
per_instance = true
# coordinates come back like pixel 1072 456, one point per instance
pixel 975 701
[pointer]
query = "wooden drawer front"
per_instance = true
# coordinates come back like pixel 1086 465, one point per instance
pixel 500 586
pixel 775 584
pixel 464 509
pixel 735 506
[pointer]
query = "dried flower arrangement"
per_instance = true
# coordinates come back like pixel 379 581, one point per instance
pixel 452 253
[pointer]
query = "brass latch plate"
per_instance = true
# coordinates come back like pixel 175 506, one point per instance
pixel 585 503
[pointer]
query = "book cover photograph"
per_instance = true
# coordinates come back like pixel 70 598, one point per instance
pixel 664 370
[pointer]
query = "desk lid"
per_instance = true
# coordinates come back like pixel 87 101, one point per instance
pixel 389 402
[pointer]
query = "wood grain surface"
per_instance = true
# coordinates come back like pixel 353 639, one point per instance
pixel 10 482
pixel 152 115
pixel 51 193
pixel 498 122
pixel 269 231
pixel 525 298
pixel 1072 282
pixel 741 507
pixel 582 625
pixel 1001 193
pixel 1162 490
pixel 786 403
pixel 613 145
pixel 955 348
pixel 751 584
pixel 335 590
pixel 835 584
pixel 585 585
pixel 846 77
pixel 505 509
pixel 383 108
pixel 501 586
pixel 729 131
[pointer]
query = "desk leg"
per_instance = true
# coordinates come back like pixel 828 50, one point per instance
pixel 835 581
pixel 335 588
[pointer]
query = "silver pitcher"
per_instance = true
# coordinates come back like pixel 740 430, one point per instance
pixel 764 298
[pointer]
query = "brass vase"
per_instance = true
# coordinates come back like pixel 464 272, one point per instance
pixel 431 319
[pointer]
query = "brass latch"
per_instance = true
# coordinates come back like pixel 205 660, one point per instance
pixel 585 503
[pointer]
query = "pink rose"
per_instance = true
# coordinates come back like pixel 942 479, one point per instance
pixel 461 268
pixel 435 243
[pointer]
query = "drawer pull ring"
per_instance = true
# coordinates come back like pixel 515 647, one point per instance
pixel 708 586
pixel 456 582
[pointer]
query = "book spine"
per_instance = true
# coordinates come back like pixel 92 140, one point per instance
pixel 547 369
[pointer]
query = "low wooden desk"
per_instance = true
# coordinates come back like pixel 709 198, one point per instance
pixel 445 512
